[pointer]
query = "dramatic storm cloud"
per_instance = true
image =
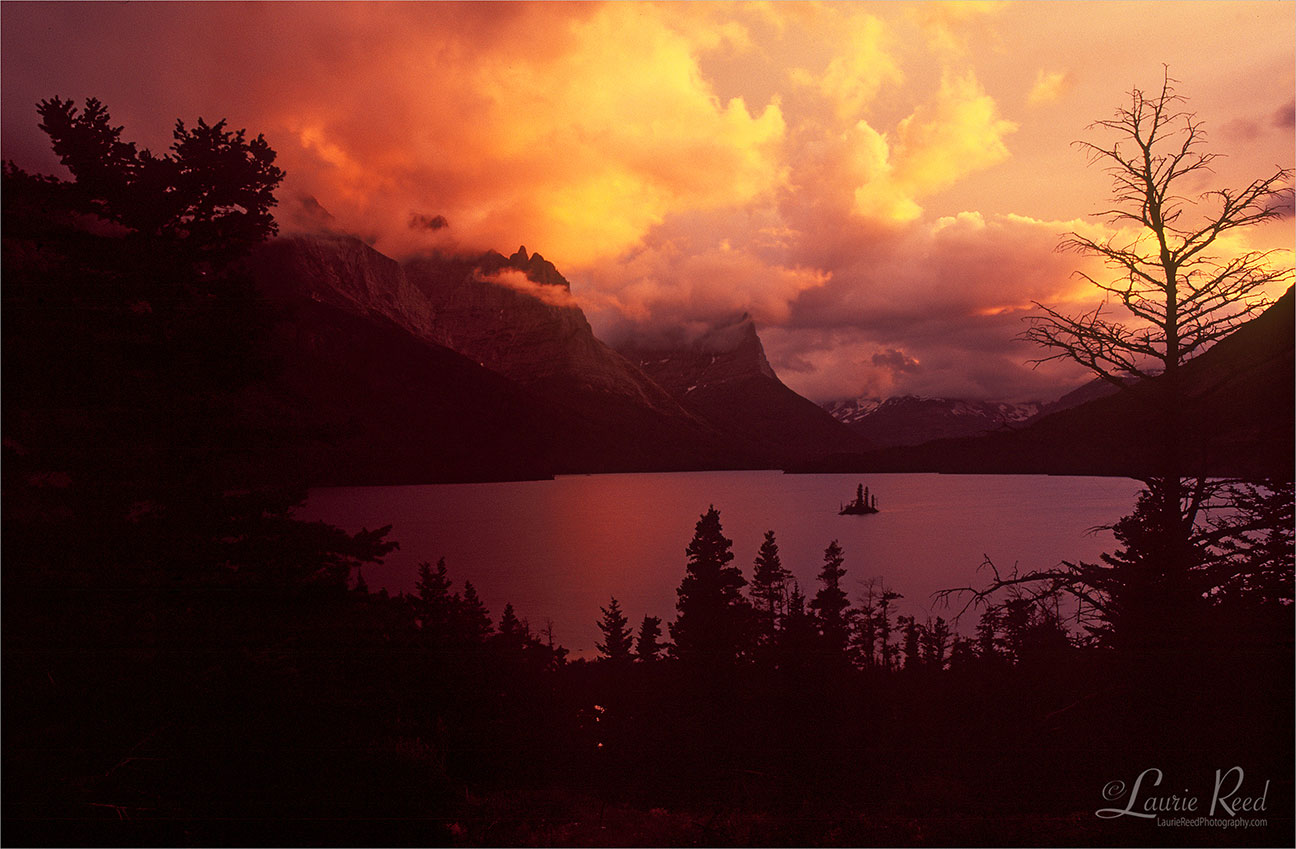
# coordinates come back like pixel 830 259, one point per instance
pixel 881 186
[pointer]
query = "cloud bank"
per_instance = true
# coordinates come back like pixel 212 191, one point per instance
pixel 881 186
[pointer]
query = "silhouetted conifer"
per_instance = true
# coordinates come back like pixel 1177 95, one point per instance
pixel 649 647
pixel 831 603
pixel 433 603
pixel 474 620
pixel 911 641
pixel 886 649
pixel 211 195
pixel 1254 566
pixel 987 634
pixel 865 622
pixel 963 654
pixel 713 614
pixel 616 635
pixel 512 635
pixel 769 589
pixel 798 635
pixel 936 637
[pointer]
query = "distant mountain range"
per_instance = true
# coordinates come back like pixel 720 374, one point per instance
pixel 913 420
pixel 1239 421
pixel 473 368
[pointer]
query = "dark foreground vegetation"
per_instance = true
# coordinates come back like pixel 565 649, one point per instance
pixel 165 710
pixel 187 664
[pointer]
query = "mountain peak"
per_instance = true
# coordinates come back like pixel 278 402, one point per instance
pixel 731 336
pixel 538 269
pixel 911 419
pixel 724 351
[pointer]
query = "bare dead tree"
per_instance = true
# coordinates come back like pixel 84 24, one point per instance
pixel 1174 291
pixel 1180 292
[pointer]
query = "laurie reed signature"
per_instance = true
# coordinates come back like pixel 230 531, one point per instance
pixel 1228 796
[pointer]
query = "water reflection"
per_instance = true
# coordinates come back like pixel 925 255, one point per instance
pixel 558 549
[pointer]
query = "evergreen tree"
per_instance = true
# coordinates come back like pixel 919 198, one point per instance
pixel 1015 621
pixel 831 603
pixel 864 637
pixel 434 607
pixel 1253 566
pixel 474 620
pixel 616 635
pixel 709 630
pixel 648 647
pixel 798 634
pixel 987 640
pixel 513 635
pixel 885 647
pixel 912 640
pixel 962 654
pixel 211 195
pixel 769 589
pixel 936 637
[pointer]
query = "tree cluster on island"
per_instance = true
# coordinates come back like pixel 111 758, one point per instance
pixel 863 503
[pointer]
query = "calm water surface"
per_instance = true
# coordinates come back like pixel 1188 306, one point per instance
pixel 557 550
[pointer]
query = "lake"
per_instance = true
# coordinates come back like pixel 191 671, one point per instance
pixel 559 549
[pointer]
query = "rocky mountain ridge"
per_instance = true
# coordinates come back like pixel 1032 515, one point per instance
pixel 913 419
pixel 513 317
pixel 723 376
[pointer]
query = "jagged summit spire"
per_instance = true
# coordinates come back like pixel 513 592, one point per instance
pixel 520 255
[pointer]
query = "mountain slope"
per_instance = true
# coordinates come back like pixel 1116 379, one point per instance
pixel 525 326
pixel 1239 421
pixel 366 390
pixel 372 404
pixel 537 391
pixel 724 379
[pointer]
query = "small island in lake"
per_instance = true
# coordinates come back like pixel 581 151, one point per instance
pixel 862 504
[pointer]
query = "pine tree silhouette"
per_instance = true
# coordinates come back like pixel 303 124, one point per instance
pixel 433 603
pixel 649 647
pixel 831 603
pixel 886 648
pixel 474 619
pixel 513 634
pixel 616 635
pixel 912 638
pixel 709 630
pixel 798 635
pixel 769 589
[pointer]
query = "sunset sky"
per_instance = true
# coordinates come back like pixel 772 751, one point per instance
pixel 881 185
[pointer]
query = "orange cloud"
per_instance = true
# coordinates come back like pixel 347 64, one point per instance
pixel 958 132
pixel 581 148
pixel 860 67
pixel 952 25
pixel 1049 86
